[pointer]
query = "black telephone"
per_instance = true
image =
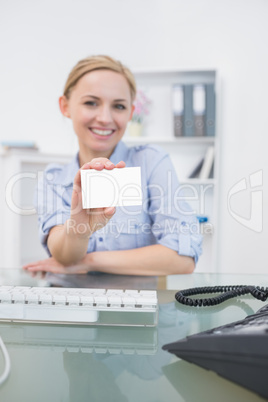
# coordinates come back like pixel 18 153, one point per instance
pixel 237 351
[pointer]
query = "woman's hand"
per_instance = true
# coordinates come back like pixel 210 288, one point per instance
pixel 68 243
pixel 86 221
pixel 53 266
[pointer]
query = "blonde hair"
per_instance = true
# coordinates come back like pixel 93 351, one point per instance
pixel 100 62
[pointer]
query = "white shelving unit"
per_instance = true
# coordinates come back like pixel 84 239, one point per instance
pixel 19 240
pixel 185 152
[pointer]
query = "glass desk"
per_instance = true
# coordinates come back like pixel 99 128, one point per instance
pixel 78 363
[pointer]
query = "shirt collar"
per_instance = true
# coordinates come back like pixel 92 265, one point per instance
pixel 120 153
pixel 66 177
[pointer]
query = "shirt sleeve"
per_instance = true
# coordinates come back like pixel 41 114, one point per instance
pixel 174 223
pixel 52 202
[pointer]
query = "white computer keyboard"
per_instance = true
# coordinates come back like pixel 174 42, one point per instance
pixel 78 305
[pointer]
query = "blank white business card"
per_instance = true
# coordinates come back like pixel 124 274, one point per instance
pixel 111 188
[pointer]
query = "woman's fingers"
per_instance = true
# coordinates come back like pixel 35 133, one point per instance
pixel 42 265
pixel 38 268
pixel 102 163
pixel 57 269
pixel 53 266
pixel 34 264
pixel 120 164
pixel 109 212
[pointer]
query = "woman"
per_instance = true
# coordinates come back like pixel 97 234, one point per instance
pixel 156 238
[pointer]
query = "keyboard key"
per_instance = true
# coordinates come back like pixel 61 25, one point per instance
pixel 73 300
pixel 132 292
pixel 148 293
pixel 101 300
pixel 31 298
pixel 114 300
pixel 128 301
pixel 18 297
pixel 114 292
pixel 87 300
pixel 45 298
pixel 5 297
pixel 59 299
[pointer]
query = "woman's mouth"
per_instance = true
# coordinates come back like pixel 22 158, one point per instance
pixel 102 132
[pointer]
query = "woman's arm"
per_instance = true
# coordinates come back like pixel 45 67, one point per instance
pixel 149 260
pixel 68 243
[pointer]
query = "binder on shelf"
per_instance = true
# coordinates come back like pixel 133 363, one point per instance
pixel 196 171
pixel 202 218
pixel 178 109
pixel 211 176
pixel 199 109
pixel 188 126
pixel 205 172
pixel 210 110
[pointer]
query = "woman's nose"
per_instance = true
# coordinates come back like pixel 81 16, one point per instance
pixel 104 114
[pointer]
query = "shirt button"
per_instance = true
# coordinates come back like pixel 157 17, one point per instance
pixel 100 239
pixel 50 176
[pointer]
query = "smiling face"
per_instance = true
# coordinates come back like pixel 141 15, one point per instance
pixel 100 107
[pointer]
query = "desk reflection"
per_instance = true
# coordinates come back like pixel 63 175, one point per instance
pixel 103 281
pixel 93 358
pixel 78 363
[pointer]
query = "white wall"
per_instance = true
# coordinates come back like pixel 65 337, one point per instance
pixel 41 41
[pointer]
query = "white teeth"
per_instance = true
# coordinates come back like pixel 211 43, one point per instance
pixel 101 132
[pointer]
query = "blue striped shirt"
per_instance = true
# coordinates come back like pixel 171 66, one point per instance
pixel 163 218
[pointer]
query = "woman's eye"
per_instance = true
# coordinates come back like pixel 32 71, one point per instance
pixel 120 107
pixel 90 103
